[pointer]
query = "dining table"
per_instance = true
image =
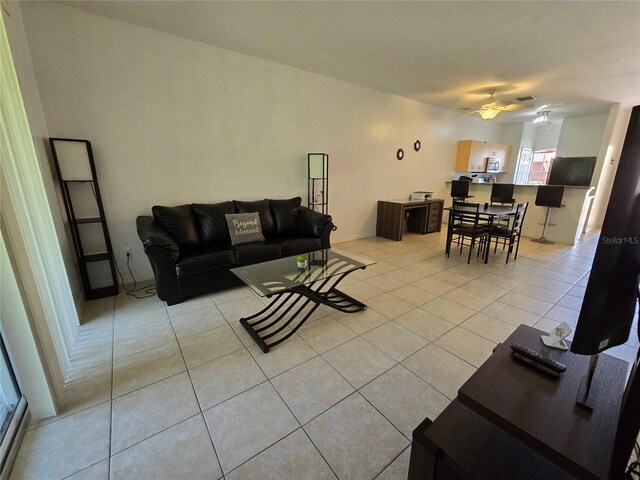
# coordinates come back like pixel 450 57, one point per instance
pixel 490 213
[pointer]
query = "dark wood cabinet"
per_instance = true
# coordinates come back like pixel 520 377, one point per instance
pixel 423 216
pixel 510 421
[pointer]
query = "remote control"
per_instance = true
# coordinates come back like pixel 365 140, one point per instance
pixel 535 364
pixel 538 357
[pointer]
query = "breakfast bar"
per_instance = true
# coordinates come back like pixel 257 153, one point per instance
pixel 570 220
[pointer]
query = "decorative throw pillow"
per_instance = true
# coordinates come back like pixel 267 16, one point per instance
pixel 212 222
pixel 244 228
pixel 267 223
pixel 285 213
pixel 179 222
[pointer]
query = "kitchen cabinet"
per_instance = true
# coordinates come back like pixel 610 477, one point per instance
pixel 499 153
pixel 472 156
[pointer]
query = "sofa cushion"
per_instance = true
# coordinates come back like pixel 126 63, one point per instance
pixel 255 252
pixel 212 225
pixel 296 245
pixel 205 260
pixel 262 207
pixel 179 222
pixel 285 213
pixel 244 228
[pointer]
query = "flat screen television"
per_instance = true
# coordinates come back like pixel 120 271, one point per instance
pixel 611 296
pixel 572 171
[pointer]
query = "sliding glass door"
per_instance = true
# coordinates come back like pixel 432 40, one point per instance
pixel 12 408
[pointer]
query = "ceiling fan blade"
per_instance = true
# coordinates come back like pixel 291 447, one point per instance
pixel 547 105
pixel 519 106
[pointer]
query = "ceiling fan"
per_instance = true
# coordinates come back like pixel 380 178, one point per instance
pixel 490 110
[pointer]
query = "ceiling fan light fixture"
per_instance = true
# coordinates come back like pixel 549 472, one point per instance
pixel 489 113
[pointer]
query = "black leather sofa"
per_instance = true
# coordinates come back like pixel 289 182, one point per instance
pixel 190 249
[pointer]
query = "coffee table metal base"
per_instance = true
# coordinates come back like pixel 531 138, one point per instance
pixel 287 312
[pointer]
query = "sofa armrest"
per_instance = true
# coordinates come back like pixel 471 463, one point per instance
pixel 163 253
pixel 315 224
pixel 153 235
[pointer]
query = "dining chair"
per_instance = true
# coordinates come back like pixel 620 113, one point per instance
pixel 464 222
pixel 460 190
pixel 502 193
pixel 510 234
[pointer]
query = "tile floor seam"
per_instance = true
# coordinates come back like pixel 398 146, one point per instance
pixel 314 443
pixel 335 370
pixel 63 416
pixel 391 462
pixel 383 416
pixel 195 334
pixel 85 468
pixel 286 405
pixel 193 390
pixel 72 372
pixel 443 348
pixel 280 373
pixel 234 396
pixel 424 381
pixel 121 357
pixel 153 435
pixel 261 451
pixel 318 450
pixel 148 385
pixel 355 390
pixel 475 333
pixel 113 353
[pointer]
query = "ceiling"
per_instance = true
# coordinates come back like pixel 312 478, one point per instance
pixel 581 55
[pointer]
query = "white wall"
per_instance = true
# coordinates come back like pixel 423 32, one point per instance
pixel 176 121
pixel 24 68
pixel 589 136
pixel 611 158
pixel 547 135
pixel 512 135
pixel 581 136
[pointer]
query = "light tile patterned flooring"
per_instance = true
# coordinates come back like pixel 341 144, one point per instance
pixel 177 392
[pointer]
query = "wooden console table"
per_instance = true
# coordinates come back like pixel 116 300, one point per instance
pixel 510 421
pixel 425 216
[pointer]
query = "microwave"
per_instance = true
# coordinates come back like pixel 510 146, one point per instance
pixel 493 165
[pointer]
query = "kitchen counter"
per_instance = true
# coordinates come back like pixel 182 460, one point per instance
pixel 570 220
pixel 523 185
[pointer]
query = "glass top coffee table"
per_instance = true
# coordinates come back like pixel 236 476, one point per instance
pixel 297 292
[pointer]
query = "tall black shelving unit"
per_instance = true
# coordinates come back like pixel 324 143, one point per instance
pixel 318 182
pixel 75 165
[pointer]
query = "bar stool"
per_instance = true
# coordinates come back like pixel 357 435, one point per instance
pixel 502 193
pixel 460 190
pixel 549 196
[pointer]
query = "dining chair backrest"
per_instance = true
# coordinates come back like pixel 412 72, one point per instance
pixel 465 213
pixel 502 193
pixel 518 218
pixel 460 189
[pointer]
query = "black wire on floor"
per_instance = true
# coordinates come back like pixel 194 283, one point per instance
pixel 148 290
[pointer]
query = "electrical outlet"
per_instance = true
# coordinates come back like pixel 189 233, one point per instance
pixel 128 252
